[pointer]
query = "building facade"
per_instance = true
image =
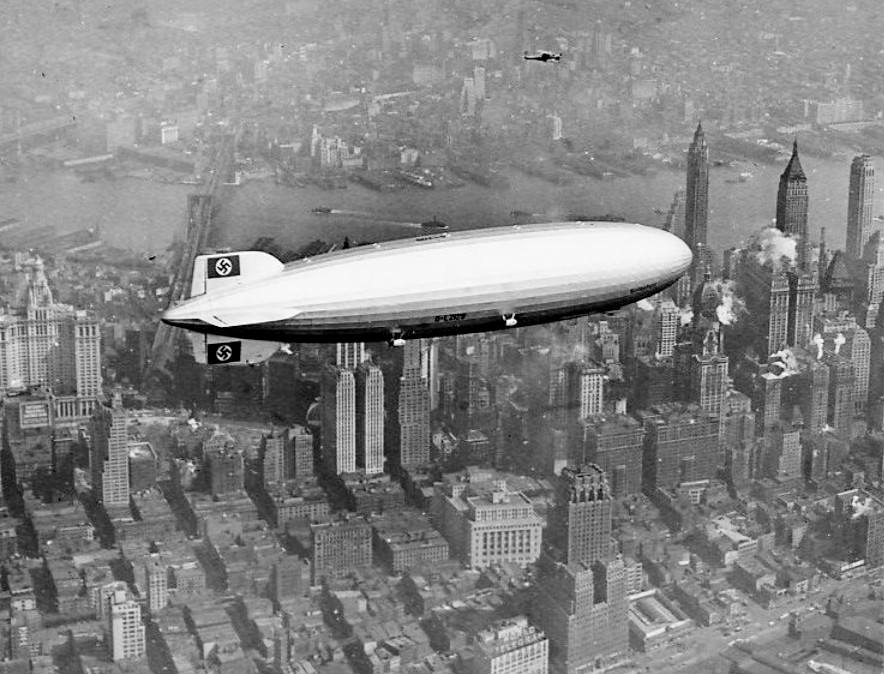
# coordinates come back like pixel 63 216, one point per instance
pixel 860 204
pixel 511 647
pixel 697 191
pixel 792 203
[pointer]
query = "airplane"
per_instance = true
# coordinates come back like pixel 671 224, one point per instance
pixel 543 56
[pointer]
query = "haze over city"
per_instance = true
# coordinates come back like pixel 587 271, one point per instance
pixel 692 483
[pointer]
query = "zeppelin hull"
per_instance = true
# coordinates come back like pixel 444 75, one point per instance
pixel 446 284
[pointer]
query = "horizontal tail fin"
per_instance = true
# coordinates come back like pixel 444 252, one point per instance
pixel 222 271
pixel 218 350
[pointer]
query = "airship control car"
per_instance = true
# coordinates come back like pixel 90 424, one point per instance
pixel 244 305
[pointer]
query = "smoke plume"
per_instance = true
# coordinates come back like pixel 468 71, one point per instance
pixel 645 304
pixel 686 316
pixel 776 248
pixel 819 341
pixel 728 312
pixel 785 361
pixel 839 342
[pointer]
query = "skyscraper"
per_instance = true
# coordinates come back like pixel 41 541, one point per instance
pixel 584 389
pixel 349 355
pixel 615 443
pixel 860 202
pixel 666 322
pixel 126 629
pixel 414 407
pixel 580 526
pixel 338 387
pixel 370 418
pixel 682 445
pixel 109 454
pixel 792 201
pixel 697 191
pixel 156 578
pixel 583 611
pixel 45 343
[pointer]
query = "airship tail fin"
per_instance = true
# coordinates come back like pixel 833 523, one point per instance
pixel 218 350
pixel 223 271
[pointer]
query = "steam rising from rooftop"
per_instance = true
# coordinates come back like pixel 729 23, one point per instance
pixel 776 248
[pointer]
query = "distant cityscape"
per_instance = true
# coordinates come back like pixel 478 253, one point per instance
pixel 694 483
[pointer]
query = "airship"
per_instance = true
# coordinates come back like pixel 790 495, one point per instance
pixel 244 306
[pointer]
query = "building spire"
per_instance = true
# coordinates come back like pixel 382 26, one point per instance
pixel 793 168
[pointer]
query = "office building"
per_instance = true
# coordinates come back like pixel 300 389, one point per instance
pixel 842 382
pixel 404 539
pixel 782 454
pixel 224 461
pixel 45 343
pixel 681 445
pixel 338 387
pixel 860 205
pixel 666 324
pixel 369 418
pixel 859 518
pixel 697 191
pixel 338 547
pixel 738 436
pixel 300 453
pixel 792 203
pixel 126 628
pixel 156 575
pixel 583 390
pixel 582 609
pixel 273 451
pixel 809 391
pixel 414 407
pixel 511 646
pixel 579 527
pixel 486 523
pixel 615 444
pixel 109 454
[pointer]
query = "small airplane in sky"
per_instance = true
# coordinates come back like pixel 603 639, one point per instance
pixel 542 56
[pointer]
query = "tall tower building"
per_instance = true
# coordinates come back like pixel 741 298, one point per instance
pixel 615 444
pixel 860 203
pixel 339 419
pixel 45 343
pixel 582 609
pixel 697 191
pixel 126 628
pixel 299 458
pixel 666 322
pixel 156 577
pixel 842 382
pixel 580 529
pixel 792 201
pixel 109 455
pixel 414 407
pixel 370 418
pixel 273 452
pixel 584 389
pixel 802 290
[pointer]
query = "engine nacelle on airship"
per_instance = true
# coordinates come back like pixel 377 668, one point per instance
pixel 439 284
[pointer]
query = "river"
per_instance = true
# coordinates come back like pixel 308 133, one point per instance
pixel 737 210
pixel 145 216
